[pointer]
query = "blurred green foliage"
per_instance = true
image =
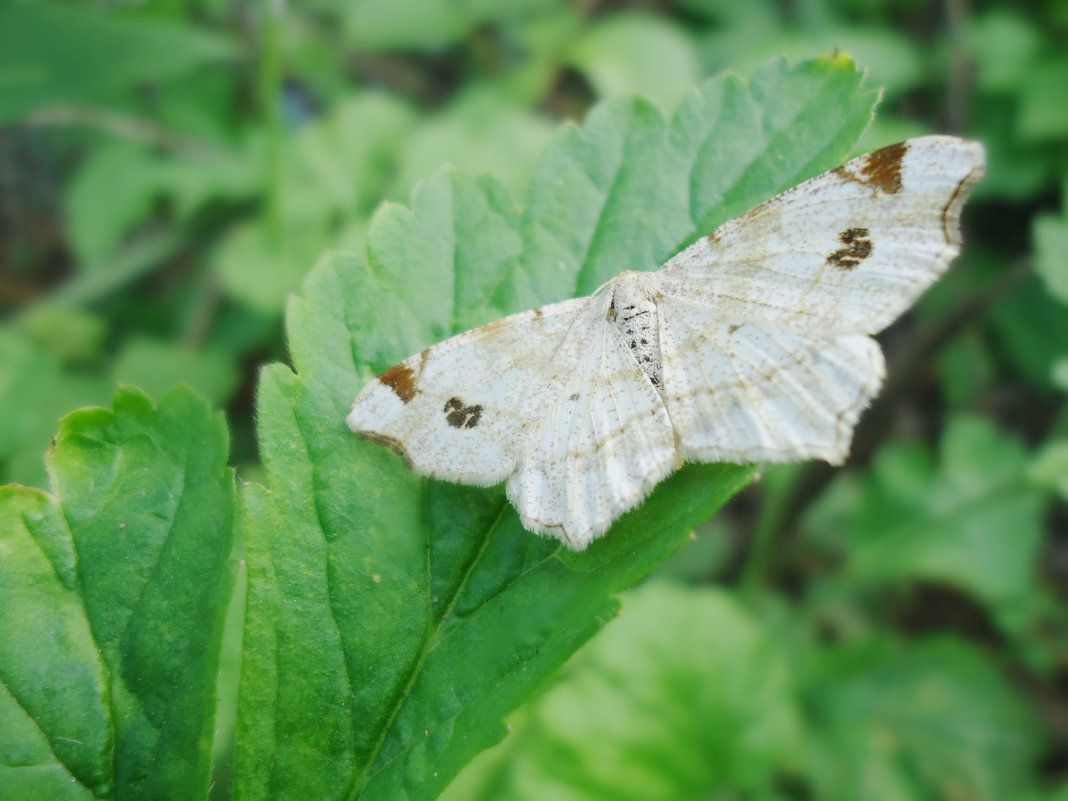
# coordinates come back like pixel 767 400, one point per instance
pixel 171 171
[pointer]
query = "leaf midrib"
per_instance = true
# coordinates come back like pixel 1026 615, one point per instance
pixel 431 638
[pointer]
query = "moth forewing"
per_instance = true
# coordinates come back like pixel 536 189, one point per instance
pixel 458 410
pixel 846 251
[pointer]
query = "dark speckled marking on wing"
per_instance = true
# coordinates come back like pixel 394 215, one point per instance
pixel 459 416
pixel 857 248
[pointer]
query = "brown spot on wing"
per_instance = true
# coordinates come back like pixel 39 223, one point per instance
pixel 881 169
pixel 401 379
pixel 857 248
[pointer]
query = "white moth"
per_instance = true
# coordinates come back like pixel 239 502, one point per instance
pixel 752 344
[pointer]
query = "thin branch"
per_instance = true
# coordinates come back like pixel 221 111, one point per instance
pixel 959 66
pixel 121 126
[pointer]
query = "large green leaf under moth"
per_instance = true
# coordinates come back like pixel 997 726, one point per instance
pixel 393 621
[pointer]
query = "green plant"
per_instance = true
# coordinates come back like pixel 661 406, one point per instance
pixel 336 626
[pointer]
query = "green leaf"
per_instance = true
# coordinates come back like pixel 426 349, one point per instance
pixel 1043 116
pixel 331 174
pixel 51 54
pixel 1050 467
pixel 335 169
pixel 67 335
pixel 427 24
pixel 36 388
pixel 1004 44
pixel 966 369
pixel 259 268
pixel 481 130
pixel 99 218
pixel 341 162
pixel 628 189
pixel 387 607
pixel 149 501
pixel 893 57
pixel 1050 234
pixel 55 724
pixel 155 366
pixel 935 720
pixel 113 607
pixel 637 53
pixel 972 519
pixel 1031 327
pixel 683 697
pixel 1059 374
pixel 759 31
pixel 395 621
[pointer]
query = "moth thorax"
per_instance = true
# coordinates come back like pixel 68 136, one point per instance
pixel 635 318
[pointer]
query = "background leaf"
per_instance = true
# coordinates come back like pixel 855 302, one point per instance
pixel 945 521
pixel 1051 245
pixel 146 476
pixel 53 53
pixel 642 54
pixel 114 604
pixel 899 722
pixel 681 697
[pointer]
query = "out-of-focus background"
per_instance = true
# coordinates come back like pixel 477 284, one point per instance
pixel 169 172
